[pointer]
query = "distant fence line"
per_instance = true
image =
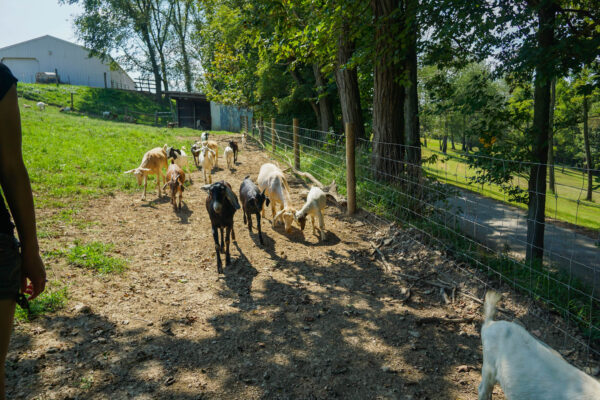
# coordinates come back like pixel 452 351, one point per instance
pixel 566 282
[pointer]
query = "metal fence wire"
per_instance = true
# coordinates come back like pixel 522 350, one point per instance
pixel 473 225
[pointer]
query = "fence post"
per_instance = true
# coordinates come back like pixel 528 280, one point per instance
pixel 72 107
pixel 350 168
pixel 273 141
pixel 241 124
pixel 296 145
pixel 246 124
pixel 261 130
pixel 156 118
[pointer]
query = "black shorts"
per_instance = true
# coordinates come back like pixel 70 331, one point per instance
pixel 10 267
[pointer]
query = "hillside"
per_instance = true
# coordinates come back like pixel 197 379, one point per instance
pixel 94 101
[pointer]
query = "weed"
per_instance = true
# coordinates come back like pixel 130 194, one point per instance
pixel 53 299
pixel 94 256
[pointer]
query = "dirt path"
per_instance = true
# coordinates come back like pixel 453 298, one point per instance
pixel 293 319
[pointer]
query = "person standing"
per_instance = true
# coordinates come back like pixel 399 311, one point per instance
pixel 20 271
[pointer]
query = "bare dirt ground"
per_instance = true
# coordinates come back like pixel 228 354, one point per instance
pixel 295 319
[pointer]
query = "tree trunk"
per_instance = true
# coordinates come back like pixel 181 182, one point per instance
pixel 163 69
pixel 452 139
pixel 586 143
pixel 325 108
pixel 465 146
pixel 536 217
pixel 444 142
pixel 388 95
pixel 180 25
pixel 347 83
pixel 312 103
pixel 154 63
pixel 187 72
pixel 551 180
pixel 411 105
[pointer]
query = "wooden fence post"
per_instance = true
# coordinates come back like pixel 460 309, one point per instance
pixel 296 145
pixel 156 118
pixel 273 140
pixel 261 130
pixel 246 124
pixel 350 168
pixel 72 107
pixel 241 123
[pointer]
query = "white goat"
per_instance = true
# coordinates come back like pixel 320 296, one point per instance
pixel 244 140
pixel 207 160
pixel 526 368
pixel 272 180
pixel 41 105
pixel 228 153
pixel 316 202
pixel 214 147
pixel 152 163
pixel 204 136
pixel 106 114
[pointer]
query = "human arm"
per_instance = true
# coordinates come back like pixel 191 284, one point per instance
pixel 17 190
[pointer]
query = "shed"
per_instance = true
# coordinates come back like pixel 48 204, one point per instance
pixel 195 111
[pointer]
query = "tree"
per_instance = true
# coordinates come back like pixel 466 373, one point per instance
pixel 183 12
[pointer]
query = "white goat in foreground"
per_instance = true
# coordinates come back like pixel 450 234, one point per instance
pixel 272 180
pixel 41 105
pixel 228 153
pixel 207 160
pixel 152 163
pixel 526 368
pixel 316 202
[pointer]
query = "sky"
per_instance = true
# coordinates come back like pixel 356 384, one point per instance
pixel 21 20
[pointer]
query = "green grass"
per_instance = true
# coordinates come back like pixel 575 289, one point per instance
pixel 94 101
pixel 95 257
pixel 567 204
pixel 53 299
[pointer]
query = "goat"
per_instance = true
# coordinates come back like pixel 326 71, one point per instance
pixel 272 180
pixel 244 140
pixel 106 114
pixel 525 367
pixel 26 105
pixel 229 157
pixel 221 205
pixel 195 149
pixel 41 105
pixel 215 148
pixel 179 156
pixel 316 202
pixel 172 125
pixel 65 109
pixel 252 200
pixel 175 180
pixel 152 163
pixel 204 136
pixel 207 160
pixel 234 146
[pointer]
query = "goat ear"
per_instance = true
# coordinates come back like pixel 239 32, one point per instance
pixel 144 169
pixel 164 186
pixel 232 198
pixel 131 171
pixel 206 188
pixel 267 201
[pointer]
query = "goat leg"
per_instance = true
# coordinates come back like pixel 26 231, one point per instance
pixel 245 217
pixel 216 238
pixel 222 240
pixel 259 230
pixel 249 221
pixel 227 257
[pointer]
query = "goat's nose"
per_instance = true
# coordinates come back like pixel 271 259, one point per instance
pixel 217 207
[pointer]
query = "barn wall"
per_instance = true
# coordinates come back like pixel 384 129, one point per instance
pixel 47 53
pixel 227 118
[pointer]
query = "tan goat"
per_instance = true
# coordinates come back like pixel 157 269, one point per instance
pixel 152 164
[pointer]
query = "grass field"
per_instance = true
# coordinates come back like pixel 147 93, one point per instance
pixel 94 101
pixel 567 204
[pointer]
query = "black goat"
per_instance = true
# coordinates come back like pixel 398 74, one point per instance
pixel 234 147
pixel 252 202
pixel 221 204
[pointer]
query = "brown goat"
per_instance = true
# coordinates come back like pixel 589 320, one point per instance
pixel 175 180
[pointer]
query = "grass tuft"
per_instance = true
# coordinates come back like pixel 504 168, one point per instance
pixel 53 299
pixel 93 256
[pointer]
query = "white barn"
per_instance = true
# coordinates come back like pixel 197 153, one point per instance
pixel 72 61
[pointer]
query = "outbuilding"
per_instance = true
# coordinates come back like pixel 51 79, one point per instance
pixel 71 62
pixel 195 111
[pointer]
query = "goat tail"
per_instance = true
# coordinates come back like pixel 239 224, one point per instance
pixel 489 306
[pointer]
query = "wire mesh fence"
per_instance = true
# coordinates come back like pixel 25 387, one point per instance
pixel 474 225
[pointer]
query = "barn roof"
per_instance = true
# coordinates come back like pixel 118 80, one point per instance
pixel 185 95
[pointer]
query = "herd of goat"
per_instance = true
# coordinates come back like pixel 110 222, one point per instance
pixel 525 367
pixel 222 203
